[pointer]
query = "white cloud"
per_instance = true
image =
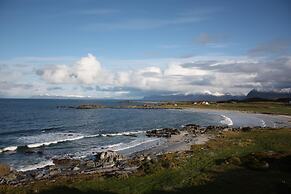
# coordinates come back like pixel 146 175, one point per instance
pixel 87 70
pixel 57 74
pixel 178 70
pixel 88 77
pixel 228 74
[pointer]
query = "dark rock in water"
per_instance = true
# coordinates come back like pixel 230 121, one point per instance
pixel 165 132
pixel 89 106
pixel 24 149
pixel 107 158
pixel 39 152
pixel 130 135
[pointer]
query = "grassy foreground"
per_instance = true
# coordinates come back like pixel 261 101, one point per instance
pixel 258 161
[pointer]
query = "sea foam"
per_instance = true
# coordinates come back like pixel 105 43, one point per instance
pixel 226 120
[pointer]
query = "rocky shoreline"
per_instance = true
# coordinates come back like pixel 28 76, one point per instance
pixel 128 106
pixel 110 163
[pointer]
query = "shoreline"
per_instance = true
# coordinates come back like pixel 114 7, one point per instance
pixel 227 116
pixel 108 162
pixel 172 146
pixel 176 143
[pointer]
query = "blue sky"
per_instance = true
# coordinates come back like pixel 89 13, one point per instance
pixel 44 42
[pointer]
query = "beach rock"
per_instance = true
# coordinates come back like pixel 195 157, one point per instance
pixel 194 129
pixel 76 168
pixel 217 128
pixel 190 127
pixel 165 132
pixel 40 176
pixel 2 181
pixel 54 172
pixel 234 160
pixel 107 158
pixel 90 164
pixel 66 162
pixel 148 158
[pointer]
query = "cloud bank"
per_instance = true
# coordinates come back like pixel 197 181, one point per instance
pixel 236 75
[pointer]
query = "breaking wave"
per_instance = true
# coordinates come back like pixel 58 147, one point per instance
pixel 226 120
pixel 41 164
pixel 118 146
pixel 263 123
pixel 55 138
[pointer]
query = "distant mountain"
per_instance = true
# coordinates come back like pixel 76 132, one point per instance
pixel 193 97
pixel 270 95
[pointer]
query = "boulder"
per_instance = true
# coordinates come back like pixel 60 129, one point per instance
pixel 66 162
pixel 90 164
pixel 194 129
pixel 254 163
pixel 54 172
pixel 76 168
pixel 107 158
pixel 234 160
pixel 165 132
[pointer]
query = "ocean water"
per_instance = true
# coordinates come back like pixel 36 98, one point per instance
pixel 32 132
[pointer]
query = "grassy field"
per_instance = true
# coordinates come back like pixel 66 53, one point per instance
pixel 235 162
pixel 258 107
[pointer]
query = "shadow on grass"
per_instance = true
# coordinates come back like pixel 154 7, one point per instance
pixel 68 190
pixel 239 180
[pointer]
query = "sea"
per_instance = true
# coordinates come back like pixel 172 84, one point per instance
pixel 34 131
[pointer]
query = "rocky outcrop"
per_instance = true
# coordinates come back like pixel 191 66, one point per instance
pixel 83 106
pixel 194 129
pixel 89 106
pixel 198 130
pixel 165 132
pixel 66 163
pixel 107 159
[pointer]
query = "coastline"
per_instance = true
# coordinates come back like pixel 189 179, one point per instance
pixel 109 161
pixel 175 144
pixel 207 146
pixel 178 143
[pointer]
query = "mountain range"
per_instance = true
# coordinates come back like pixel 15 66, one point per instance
pixel 253 94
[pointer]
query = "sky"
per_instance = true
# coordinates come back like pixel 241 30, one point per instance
pixel 134 48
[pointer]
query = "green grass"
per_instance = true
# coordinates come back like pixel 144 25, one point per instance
pixel 202 171
pixel 258 107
